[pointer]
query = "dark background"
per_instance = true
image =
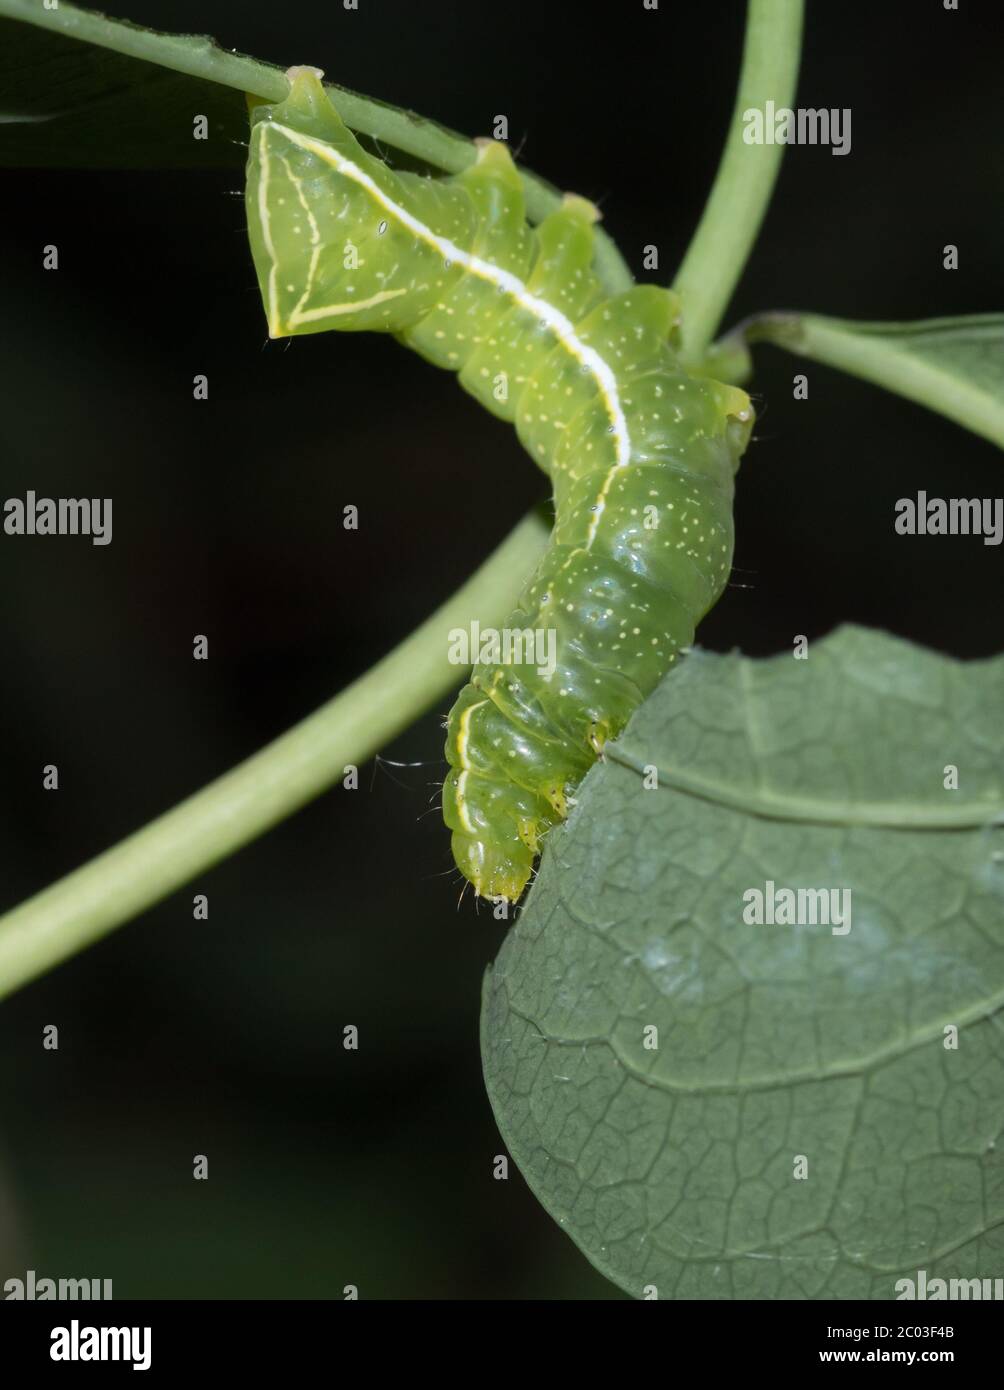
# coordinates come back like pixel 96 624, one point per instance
pixel 224 1037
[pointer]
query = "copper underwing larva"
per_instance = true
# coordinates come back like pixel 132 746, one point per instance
pixel 641 455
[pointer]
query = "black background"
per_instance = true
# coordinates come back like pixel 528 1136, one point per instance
pixel 224 1037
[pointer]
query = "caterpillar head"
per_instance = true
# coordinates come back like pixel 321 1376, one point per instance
pixel 737 408
pixel 497 829
pixel 497 869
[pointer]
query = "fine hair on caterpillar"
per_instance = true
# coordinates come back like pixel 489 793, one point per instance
pixel 641 455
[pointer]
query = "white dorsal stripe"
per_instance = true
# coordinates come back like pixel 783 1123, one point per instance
pixel 561 326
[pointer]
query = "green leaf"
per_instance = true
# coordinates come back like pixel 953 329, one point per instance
pixel 674 1167
pixel 68 98
pixel 953 365
pixel 79 90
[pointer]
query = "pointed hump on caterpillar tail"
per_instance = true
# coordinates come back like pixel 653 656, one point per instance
pixel 306 107
pixel 495 189
pixel 305 130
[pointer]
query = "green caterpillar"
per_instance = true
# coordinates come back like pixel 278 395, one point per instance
pixel 641 455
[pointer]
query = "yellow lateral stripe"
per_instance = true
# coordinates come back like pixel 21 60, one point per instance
pixel 315 233
pixel 463 735
pixel 310 315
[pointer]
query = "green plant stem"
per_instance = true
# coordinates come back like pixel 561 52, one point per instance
pixel 202 58
pixel 746 175
pixel 886 354
pixel 269 786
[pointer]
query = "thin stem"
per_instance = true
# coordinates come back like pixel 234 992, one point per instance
pixel 939 363
pixel 746 175
pixel 202 58
pixel 243 803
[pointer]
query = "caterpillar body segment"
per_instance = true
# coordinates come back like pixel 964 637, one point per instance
pixel 641 455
